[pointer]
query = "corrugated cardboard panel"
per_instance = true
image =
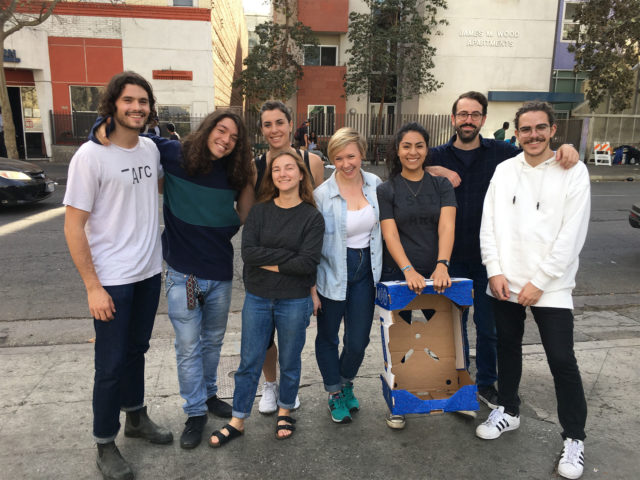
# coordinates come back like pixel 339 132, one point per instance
pixel 424 358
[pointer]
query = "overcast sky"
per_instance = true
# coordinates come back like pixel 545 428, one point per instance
pixel 259 7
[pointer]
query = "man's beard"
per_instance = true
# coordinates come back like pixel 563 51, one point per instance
pixel 467 137
pixel 120 120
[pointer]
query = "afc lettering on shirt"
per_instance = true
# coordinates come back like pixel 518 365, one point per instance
pixel 139 172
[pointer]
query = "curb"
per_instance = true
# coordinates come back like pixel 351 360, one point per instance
pixel 614 178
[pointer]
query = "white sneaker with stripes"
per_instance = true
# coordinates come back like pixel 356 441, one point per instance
pixel 571 464
pixel 497 423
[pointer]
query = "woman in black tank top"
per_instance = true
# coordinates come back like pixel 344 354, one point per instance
pixel 276 125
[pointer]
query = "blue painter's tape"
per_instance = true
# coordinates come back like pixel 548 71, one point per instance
pixel 396 295
pixel 401 402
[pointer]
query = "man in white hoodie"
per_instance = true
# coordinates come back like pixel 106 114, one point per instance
pixel 534 225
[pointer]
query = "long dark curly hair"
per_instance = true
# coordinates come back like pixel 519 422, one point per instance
pixel 268 190
pixel 393 161
pixel 198 160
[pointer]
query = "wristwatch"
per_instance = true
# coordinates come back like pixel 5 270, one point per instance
pixel 444 262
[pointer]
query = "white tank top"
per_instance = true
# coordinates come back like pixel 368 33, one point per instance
pixel 359 226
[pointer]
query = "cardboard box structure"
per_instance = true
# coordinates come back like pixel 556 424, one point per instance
pixel 424 363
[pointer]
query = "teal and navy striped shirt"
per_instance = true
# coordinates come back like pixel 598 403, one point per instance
pixel 199 216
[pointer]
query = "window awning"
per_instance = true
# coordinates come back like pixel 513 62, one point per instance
pixel 551 97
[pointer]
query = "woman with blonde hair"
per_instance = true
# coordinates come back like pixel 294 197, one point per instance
pixel 281 245
pixel 350 265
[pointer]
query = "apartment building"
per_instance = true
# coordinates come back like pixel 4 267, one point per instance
pixel 503 49
pixel 190 50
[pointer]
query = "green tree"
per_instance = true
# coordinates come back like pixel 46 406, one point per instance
pixel 390 54
pixel 607 48
pixel 275 65
pixel 14 16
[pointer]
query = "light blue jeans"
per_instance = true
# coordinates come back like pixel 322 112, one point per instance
pixel 199 335
pixel 290 316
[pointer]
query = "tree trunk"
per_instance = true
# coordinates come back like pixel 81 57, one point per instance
pixel 398 112
pixel 7 115
pixel 379 125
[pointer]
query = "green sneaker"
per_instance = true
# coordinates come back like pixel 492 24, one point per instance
pixel 350 400
pixel 339 412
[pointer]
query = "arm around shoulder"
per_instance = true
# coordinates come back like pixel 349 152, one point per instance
pixel 246 200
pixel 317 168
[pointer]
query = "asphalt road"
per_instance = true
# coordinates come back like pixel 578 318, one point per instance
pixel 39 281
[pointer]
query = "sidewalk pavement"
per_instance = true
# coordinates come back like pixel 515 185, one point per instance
pixel 46 419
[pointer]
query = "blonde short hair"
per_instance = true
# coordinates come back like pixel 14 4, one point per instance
pixel 344 137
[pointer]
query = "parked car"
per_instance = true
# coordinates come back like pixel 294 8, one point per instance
pixel 23 182
pixel 634 216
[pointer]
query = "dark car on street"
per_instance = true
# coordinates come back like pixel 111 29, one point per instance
pixel 23 182
pixel 634 216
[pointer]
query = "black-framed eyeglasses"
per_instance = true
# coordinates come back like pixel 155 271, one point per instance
pixel 464 115
pixel 540 128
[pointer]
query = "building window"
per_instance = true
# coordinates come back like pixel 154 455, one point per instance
pixel 321 119
pixel 324 55
pixel 30 110
pixel 566 81
pixel 85 99
pixel 182 3
pixel 84 105
pixel 571 9
pixel 180 116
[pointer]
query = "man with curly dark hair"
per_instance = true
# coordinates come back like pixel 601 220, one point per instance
pixel 111 227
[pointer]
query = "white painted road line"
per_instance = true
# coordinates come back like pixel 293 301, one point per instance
pixel 18 225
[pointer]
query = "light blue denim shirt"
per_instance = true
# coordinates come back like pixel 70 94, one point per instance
pixel 332 271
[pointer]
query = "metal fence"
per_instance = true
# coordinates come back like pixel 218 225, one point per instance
pixel 569 130
pixel 74 128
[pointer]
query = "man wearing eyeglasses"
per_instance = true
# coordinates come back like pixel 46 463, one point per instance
pixel 534 225
pixel 469 161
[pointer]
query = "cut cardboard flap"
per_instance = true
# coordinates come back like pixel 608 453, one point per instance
pixel 396 295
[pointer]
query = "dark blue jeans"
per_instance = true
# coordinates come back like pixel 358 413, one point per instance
pixel 486 350
pixel 357 311
pixel 290 317
pixel 119 354
pixel 556 332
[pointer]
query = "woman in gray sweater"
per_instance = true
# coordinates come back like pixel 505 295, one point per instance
pixel 281 247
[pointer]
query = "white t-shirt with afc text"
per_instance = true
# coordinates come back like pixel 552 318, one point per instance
pixel 119 188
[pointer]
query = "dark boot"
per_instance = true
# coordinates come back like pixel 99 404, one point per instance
pixel 139 425
pixel 192 434
pixel 218 407
pixel 111 463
